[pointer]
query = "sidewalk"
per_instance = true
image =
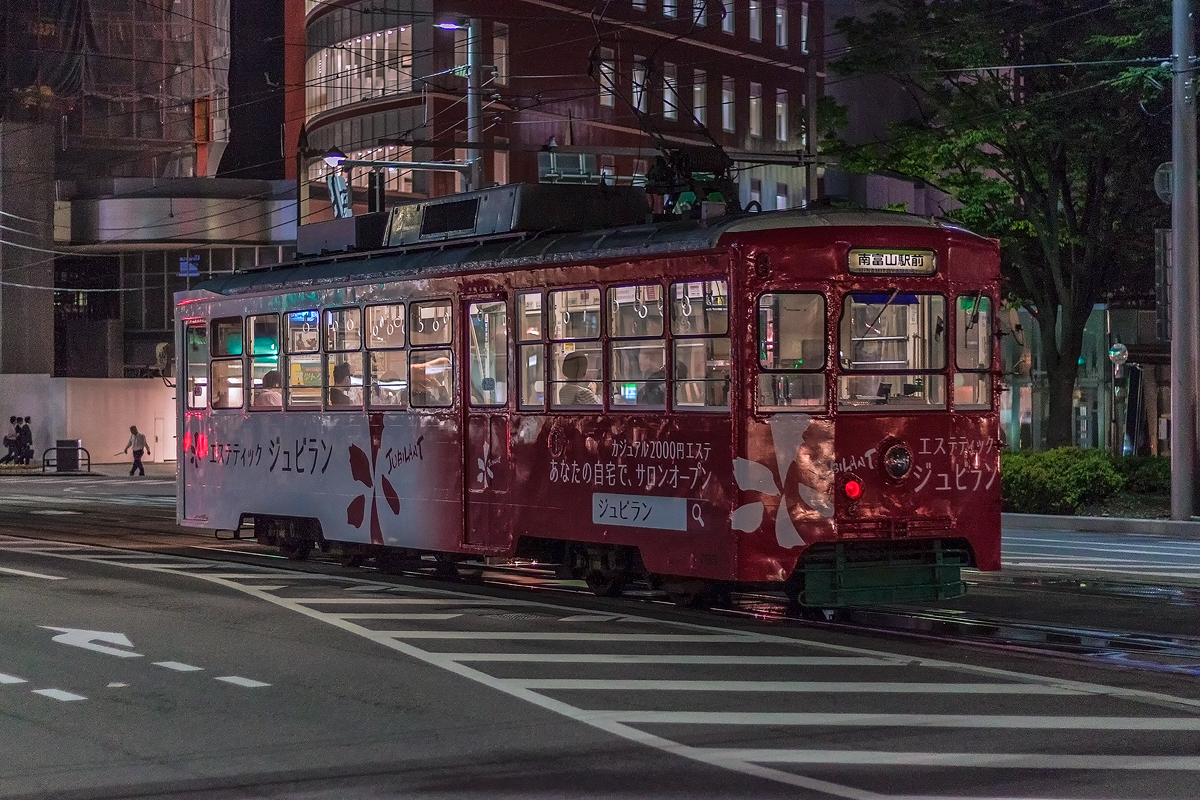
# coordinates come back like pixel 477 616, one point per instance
pixel 1068 524
pixel 118 469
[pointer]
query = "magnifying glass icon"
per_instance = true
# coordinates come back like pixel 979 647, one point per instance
pixel 696 514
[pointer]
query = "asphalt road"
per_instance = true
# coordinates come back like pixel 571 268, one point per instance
pixel 143 673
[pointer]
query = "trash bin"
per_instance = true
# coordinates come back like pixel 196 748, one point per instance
pixel 66 457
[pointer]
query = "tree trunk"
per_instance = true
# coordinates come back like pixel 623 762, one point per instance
pixel 1060 423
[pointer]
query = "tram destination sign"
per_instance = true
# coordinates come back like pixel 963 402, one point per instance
pixel 893 262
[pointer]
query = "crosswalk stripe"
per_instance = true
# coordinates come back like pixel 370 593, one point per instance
pixel 903 720
pixel 975 760
pixel 416 616
pixel 11 679
pixel 624 658
pixel 59 694
pixel 792 686
pixel 562 637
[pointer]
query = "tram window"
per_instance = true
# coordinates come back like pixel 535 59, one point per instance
pixel 429 323
pixel 304 381
pixel 973 332
pixel 431 378
pixel 700 307
pixel 529 317
pixel 702 354
pixel 791 351
pixel 196 341
pixel 227 383
pixel 489 352
pixel 639 372
pixel 302 332
pixel 227 336
pixel 702 373
pixel 635 311
pixel 343 330
pixel 533 376
pixel 344 374
pixel 578 375
pixel 574 314
pixel 388 378
pixel 266 390
pixel 385 326
pixel 892 351
pixel 263 332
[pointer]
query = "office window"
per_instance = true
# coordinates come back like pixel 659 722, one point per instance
pixel 727 101
pixel 756 20
pixel 781 31
pixel 726 11
pixel 700 12
pixel 781 115
pixel 700 96
pixel 640 5
pixel 804 28
pixel 670 8
pixel 756 109
pixel 500 52
pixel 641 100
pixel 608 77
pixel 670 94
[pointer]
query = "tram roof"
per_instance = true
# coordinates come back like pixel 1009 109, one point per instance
pixel 545 248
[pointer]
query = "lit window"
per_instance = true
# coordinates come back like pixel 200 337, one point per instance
pixel 727 101
pixel 608 77
pixel 781 115
pixel 670 8
pixel 701 13
pixel 756 20
pixel 726 11
pixel 640 5
pixel 640 99
pixel 500 52
pixel 700 96
pixel 756 109
pixel 804 28
pixel 781 31
pixel 670 93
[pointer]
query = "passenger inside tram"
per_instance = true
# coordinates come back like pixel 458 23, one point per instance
pixel 574 392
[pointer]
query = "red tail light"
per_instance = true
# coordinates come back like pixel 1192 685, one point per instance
pixel 852 489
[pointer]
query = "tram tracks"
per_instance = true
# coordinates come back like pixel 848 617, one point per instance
pixel 1096 645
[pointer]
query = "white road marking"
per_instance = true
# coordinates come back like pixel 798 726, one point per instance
pixel 904 720
pixel 11 679
pixel 116 685
pixel 54 512
pixel 239 681
pixel 563 637
pixel 59 694
pixel 590 618
pixel 856 687
pixel 623 658
pixel 88 640
pixel 26 574
pixel 177 666
pixel 399 616
pixel 974 760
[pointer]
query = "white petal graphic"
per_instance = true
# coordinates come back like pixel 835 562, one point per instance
pixel 747 518
pixel 754 477
pixel 785 530
pixel 818 501
pixel 787 431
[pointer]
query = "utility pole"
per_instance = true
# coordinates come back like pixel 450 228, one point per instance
pixel 1185 261
pixel 475 176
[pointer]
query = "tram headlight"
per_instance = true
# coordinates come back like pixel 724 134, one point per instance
pixel 897 461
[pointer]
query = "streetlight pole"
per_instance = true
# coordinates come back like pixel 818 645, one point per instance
pixel 475 176
pixel 1185 260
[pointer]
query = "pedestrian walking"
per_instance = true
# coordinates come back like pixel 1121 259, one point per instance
pixel 137 441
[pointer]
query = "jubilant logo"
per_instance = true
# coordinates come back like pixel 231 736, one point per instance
pixel 363 470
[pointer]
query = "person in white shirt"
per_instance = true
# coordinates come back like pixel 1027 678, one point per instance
pixel 138 442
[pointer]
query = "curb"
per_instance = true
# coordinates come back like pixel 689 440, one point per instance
pixel 1063 524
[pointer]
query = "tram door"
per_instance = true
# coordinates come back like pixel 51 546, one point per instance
pixel 485 386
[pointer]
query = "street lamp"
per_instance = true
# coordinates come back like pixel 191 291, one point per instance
pixel 472 27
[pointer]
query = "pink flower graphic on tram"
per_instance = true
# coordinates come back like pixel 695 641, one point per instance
pixel 362 469
pixel 787 436
pixel 196 447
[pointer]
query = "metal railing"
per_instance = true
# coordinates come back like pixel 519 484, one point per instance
pixel 80 458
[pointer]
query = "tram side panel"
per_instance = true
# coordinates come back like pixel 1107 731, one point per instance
pixel 393 479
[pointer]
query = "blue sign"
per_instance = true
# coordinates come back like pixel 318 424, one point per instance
pixel 189 266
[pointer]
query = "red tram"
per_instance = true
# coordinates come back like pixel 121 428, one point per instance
pixel 804 400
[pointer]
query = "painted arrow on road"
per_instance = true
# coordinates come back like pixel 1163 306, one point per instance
pixel 89 640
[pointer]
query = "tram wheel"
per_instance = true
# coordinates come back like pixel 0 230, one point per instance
pixel 396 563
pixel 446 565
pixel 605 584
pixel 295 550
pixel 351 560
pixel 693 593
